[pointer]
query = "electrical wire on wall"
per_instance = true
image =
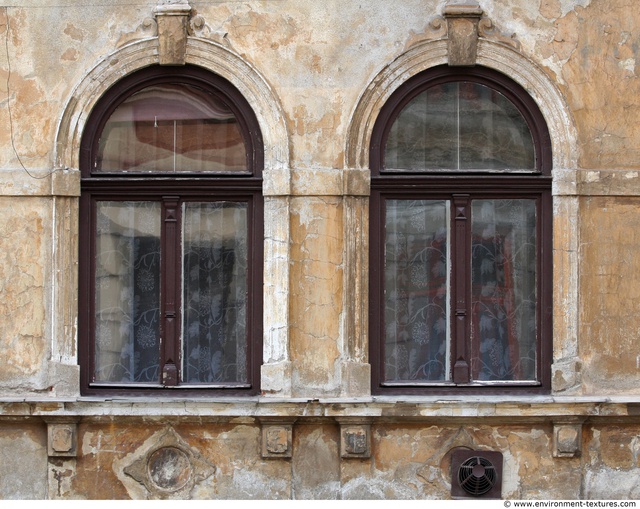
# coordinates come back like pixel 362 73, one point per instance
pixel 11 132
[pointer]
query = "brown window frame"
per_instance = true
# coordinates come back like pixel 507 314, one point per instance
pixel 461 188
pixel 170 191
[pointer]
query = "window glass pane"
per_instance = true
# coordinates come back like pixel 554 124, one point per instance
pixel 215 292
pixel 127 295
pixel 416 296
pixel 503 263
pixel 424 136
pixel 460 126
pixel 172 128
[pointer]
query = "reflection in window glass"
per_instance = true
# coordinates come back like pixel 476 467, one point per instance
pixel 172 128
pixel 416 295
pixel 214 292
pixel 460 126
pixel 127 298
pixel 503 278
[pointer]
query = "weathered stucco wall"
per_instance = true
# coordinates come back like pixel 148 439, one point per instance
pixel 316 74
pixel 410 461
pixel 316 293
pixel 320 58
pixel 24 461
pixel 609 246
pixel 24 277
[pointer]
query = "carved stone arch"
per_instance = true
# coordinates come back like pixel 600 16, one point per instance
pixel 204 53
pixel 417 59
pixel 500 57
pixel 266 105
pixel 508 60
pixel 255 90
pixel 543 90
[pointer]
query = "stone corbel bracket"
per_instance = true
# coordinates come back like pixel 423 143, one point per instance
pixel 62 438
pixel 173 24
pixel 567 438
pixel 464 25
pixel 355 437
pixel 276 437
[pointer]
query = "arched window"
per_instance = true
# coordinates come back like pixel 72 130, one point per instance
pixel 171 232
pixel 460 237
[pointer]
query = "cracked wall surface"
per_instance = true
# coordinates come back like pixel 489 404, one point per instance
pixel 411 461
pixel 315 73
pixel 316 293
pixel 23 280
pixel 608 346
pixel 24 462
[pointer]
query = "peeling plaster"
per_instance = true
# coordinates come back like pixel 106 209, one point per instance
pixel 308 65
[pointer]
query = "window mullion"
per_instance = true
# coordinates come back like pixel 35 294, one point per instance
pixel 170 269
pixel 460 343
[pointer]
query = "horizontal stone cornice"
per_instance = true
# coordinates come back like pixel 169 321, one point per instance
pixel 597 182
pixel 316 182
pixel 432 410
pixel 39 182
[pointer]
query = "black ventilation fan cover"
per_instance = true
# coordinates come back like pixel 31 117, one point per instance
pixel 476 474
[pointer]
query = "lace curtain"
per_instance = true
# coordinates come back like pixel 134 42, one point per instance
pixel 503 296
pixel 128 292
pixel 214 292
pixel 503 290
pixel 417 290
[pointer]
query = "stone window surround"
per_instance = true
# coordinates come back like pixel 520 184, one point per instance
pixel 389 186
pixel 281 182
pixel 508 60
pixel 98 186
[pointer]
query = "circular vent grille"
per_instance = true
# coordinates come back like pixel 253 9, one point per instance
pixel 477 475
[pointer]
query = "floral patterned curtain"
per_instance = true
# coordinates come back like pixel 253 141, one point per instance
pixel 127 298
pixel 416 290
pixel 503 290
pixel 214 292
pixel 214 264
pixel 503 261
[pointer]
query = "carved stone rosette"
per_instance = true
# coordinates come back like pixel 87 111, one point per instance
pixel 169 467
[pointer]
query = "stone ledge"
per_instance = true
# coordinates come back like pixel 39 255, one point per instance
pixel 39 182
pixel 492 410
pixel 596 182
pixel 316 182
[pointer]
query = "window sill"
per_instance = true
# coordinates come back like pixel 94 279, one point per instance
pixel 459 409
